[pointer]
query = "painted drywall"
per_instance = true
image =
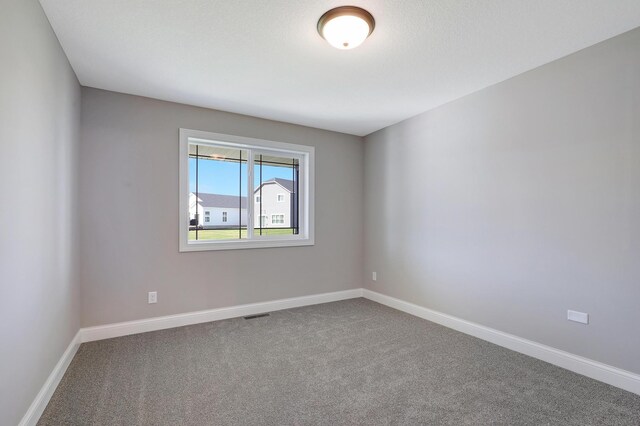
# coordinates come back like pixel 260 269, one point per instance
pixel 39 132
pixel 129 221
pixel 516 203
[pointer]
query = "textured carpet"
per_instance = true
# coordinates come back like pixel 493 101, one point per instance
pixel 348 362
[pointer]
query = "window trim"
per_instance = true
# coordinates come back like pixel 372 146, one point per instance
pixel 306 193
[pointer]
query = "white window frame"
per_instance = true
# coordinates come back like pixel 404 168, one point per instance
pixel 224 216
pixel 278 200
pixel 306 213
pixel 277 214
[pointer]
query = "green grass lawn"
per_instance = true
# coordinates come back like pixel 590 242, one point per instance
pixel 232 234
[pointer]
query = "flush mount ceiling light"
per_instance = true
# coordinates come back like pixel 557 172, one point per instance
pixel 346 27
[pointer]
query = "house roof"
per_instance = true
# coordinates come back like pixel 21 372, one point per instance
pixel 285 183
pixel 219 200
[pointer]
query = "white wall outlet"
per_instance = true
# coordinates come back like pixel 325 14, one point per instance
pixel 576 316
pixel 374 276
pixel 153 297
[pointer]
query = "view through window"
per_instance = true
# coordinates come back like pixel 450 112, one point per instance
pixel 218 193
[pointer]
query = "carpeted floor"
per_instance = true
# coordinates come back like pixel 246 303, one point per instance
pixel 348 362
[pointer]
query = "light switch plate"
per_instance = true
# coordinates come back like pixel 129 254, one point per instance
pixel 576 316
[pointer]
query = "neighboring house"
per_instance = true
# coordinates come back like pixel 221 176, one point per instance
pixel 220 211
pixel 217 211
pixel 278 204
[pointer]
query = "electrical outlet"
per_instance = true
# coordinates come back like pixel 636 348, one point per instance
pixel 374 276
pixel 153 297
pixel 576 316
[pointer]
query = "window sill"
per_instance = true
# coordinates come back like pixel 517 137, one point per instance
pixel 248 244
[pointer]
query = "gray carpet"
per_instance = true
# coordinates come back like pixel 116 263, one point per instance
pixel 349 362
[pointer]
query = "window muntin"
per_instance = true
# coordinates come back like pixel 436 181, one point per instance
pixel 274 173
pixel 224 216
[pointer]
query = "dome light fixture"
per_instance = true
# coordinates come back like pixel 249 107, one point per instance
pixel 346 27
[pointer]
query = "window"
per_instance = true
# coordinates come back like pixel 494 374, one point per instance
pixel 224 172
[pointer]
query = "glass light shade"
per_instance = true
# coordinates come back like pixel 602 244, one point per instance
pixel 346 27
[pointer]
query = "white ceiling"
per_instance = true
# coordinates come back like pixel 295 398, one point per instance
pixel 264 57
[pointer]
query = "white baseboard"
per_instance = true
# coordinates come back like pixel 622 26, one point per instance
pixel 42 399
pixel 159 323
pixel 596 370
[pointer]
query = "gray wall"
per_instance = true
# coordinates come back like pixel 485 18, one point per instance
pixel 516 203
pixel 39 123
pixel 129 220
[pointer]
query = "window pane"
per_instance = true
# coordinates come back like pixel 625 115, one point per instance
pixel 218 193
pixel 276 195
